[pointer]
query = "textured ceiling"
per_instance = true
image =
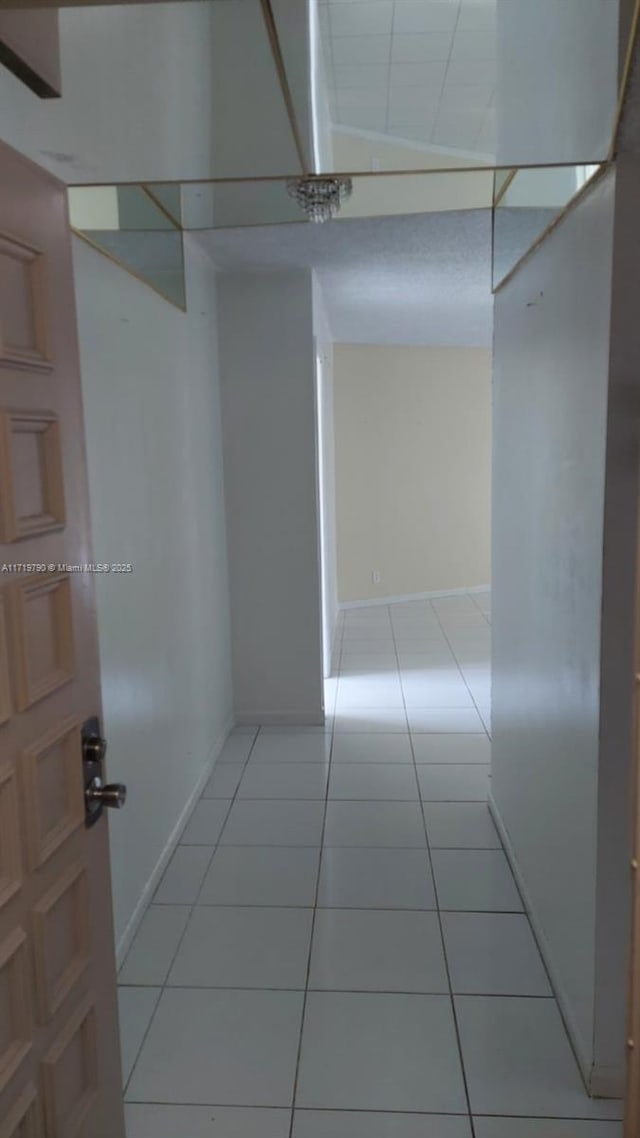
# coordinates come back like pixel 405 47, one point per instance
pixel 423 70
pixel 424 279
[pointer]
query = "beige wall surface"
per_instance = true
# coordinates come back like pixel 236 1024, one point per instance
pixel 413 469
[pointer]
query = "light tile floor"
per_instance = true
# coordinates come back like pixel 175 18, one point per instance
pixel 338 947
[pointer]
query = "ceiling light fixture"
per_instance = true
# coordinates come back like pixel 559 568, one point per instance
pixel 318 196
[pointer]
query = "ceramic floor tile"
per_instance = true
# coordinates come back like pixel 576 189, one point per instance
pixel 261 875
pixel 367 950
pixel 273 823
pixel 451 782
pixel 244 948
pixel 288 729
pixel 183 876
pixel 493 954
pixel 237 746
pixel 367 626
pixel 205 824
pixel 369 664
pixel 367 719
pixel 544 1128
pixel 359 878
pixel 369 649
pixel 374 824
pixel 224 781
pixel 366 1124
pixel 152 1120
pixel 368 691
pixel 475 880
pixel 423 693
pixel 452 749
pixel 135 1008
pixel 481 694
pixel 460 825
pixel 149 958
pixel 231 1047
pixel 444 721
pixel 518 1060
pixel 367 781
pixel 372 748
pixel 432 651
pixel 284 780
pixel 291 747
pixel 485 715
pixel 380 1052
pixel 367 640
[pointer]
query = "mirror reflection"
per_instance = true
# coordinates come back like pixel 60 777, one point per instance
pixel 278 88
pixel 132 226
pixel 526 203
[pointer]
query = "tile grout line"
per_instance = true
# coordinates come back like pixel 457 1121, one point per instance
pixel 438 913
pixel 191 907
pixel 481 611
pixel 525 911
pixel 294 1090
pixel 353 1110
pixel 459 667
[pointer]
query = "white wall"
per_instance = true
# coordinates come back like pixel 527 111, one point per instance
pixel 557 80
pixel 551 367
pixel 413 468
pixel 270 466
pixel 150 383
pixel 326 474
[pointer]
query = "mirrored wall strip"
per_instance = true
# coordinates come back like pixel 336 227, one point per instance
pixel 505 185
pixel 160 205
pixel 131 272
pixel 567 209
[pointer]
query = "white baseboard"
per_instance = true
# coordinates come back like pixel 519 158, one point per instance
pixel 124 943
pixel 407 597
pixel 584 1060
pixel 313 718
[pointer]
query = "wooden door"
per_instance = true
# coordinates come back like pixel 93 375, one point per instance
pixel 59 1050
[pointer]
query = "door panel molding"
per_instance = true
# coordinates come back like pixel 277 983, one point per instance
pixel 35 355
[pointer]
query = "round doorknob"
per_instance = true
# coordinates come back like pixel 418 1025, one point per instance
pixel 113 795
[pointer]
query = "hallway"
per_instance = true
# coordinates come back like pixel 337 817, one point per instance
pixel 339 931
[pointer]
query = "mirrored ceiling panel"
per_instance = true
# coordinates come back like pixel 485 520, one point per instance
pixel 254 89
pixel 165 92
pixel 425 84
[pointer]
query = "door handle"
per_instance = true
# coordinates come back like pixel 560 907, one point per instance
pixel 97 794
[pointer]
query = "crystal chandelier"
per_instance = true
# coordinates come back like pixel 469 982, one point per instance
pixel 320 197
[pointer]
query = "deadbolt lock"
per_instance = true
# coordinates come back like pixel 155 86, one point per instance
pixel 97 795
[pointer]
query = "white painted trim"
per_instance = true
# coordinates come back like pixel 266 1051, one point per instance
pixel 144 900
pixel 281 718
pixel 583 1059
pixel 475 589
